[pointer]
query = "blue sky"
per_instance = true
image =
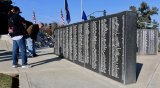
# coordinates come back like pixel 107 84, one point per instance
pixel 48 11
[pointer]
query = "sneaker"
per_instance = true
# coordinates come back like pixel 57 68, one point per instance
pixel 35 55
pixel 14 66
pixel 26 66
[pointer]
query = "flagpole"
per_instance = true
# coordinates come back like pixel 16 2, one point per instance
pixel 81 8
pixel 63 23
pixel 34 17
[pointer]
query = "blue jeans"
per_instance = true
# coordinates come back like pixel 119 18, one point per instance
pixel 19 44
pixel 30 46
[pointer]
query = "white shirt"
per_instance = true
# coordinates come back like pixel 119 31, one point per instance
pixel 17 37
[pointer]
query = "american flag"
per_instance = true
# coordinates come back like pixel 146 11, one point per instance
pixel 34 17
pixel 62 17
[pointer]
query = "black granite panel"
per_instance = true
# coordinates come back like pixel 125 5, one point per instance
pixel 86 33
pixel 93 46
pixel 106 45
pixel 147 41
pixel 66 42
pixel 61 42
pixel 80 59
pixel 56 44
pixel 70 44
pixel 74 43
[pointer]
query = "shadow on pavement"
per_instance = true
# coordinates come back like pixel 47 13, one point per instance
pixel 45 61
pixel 2 50
pixel 5 59
pixel 44 54
pixel 5 53
pixel 138 69
pixel 5 56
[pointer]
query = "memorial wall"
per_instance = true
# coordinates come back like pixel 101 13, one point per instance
pixel 106 45
pixel 147 41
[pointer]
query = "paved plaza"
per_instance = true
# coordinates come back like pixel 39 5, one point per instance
pixel 50 71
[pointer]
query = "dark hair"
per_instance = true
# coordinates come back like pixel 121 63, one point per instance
pixel 17 9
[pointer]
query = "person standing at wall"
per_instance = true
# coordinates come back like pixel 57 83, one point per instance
pixel 29 42
pixel 33 32
pixel 17 33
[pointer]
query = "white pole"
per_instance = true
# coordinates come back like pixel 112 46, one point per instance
pixel 81 8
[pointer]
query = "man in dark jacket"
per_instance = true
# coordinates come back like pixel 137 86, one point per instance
pixel 17 32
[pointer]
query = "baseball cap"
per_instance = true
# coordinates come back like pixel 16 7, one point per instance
pixel 17 9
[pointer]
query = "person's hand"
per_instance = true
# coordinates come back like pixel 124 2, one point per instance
pixel 10 30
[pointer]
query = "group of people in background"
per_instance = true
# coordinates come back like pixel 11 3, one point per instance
pixel 24 34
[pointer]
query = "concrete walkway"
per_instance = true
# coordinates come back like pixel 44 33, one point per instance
pixel 49 71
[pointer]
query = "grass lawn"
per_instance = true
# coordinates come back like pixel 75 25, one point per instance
pixel 5 81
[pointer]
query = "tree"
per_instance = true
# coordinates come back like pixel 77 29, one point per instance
pixel 92 17
pixel 49 28
pixel 144 13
